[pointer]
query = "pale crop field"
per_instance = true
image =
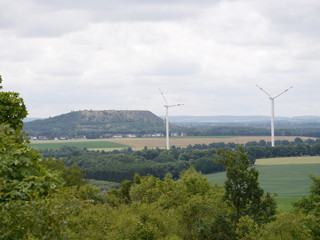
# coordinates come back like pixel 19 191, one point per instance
pixel 109 144
pixel 139 143
pixel 288 160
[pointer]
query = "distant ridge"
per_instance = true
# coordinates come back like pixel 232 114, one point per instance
pixel 297 122
pixel 249 118
pixel 95 124
pixel 31 119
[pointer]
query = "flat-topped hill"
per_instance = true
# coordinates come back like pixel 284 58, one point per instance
pixel 94 124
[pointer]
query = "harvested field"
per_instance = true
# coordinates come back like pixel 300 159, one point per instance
pixel 139 143
pixel 288 160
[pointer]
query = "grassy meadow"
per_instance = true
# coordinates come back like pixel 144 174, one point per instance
pixel 90 144
pixel 287 177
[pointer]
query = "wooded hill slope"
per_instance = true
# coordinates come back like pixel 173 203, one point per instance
pixel 94 124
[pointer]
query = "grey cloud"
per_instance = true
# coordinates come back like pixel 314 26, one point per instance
pixel 299 17
pixel 31 20
pixel 107 4
pixel 53 23
pixel 175 68
pixel 198 52
pixel 138 10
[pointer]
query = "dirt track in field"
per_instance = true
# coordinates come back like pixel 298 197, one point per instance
pixel 139 143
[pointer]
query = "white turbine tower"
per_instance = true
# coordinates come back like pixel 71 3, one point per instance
pixel 167 106
pixel 272 110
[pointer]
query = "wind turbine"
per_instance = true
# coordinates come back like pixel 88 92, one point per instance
pixel 167 106
pixel 272 110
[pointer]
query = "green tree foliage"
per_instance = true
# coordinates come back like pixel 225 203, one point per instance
pixel 12 109
pixel 187 208
pixel 45 218
pixel 53 217
pixel 288 226
pixel 309 206
pixel 21 175
pixel 71 175
pixel 242 190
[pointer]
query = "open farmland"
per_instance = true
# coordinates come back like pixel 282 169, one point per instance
pixel 140 143
pixel 288 177
pixel 90 144
pixel 288 160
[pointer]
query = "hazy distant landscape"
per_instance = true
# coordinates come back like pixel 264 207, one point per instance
pixel 304 122
pixel 107 124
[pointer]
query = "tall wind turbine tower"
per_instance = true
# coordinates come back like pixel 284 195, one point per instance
pixel 167 106
pixel 272 110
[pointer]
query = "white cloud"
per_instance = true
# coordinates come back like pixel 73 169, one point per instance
pixel 71 55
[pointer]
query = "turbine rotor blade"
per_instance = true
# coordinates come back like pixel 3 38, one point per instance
pixel 163 97
pixel 283 92
pixel 264 91
pixel 175 105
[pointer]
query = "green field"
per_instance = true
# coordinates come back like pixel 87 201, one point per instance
pixel 80 144
pixel 287 177
pixel 285 203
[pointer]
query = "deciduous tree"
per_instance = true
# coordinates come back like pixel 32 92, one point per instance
pixel 12 109
pixel 242 190
pixel 309 205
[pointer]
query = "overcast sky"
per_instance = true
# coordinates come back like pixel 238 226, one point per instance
pixel 69 55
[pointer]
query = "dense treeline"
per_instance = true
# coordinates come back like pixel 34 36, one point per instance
pixel 119 165
pixel 251 131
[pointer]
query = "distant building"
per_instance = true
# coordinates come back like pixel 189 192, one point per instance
pixel 117 136
pixel 106 135
pixel 157 135
pixel 131 136
pixel 42 138
pixel 81 137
